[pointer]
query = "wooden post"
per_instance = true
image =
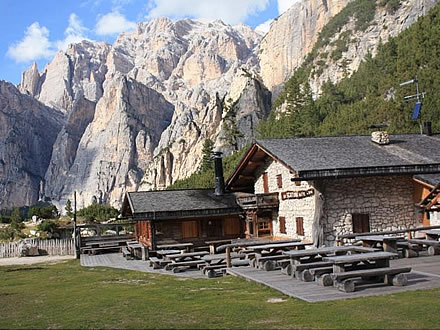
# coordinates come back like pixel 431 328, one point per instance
pixel 76 241
pixel 228 257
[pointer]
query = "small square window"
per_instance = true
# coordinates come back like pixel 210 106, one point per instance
pixel 279 181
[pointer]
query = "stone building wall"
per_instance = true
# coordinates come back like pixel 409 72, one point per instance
pixel 434 218
pixel 289 208
pixel 388 200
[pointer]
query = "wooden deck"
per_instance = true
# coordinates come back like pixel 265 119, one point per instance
pixel 425 275
pixel 116 260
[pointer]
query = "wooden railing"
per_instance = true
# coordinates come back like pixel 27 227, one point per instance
pixel 259 201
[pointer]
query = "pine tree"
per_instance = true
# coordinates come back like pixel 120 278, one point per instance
pixel 208 147
pixel 68 208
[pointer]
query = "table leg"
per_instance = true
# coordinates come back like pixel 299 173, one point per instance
pixel 390 246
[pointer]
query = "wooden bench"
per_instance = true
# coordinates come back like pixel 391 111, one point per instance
pixel 433 246
pixel 392 275
pixel 157 263
pixel 192 263
pixel 303 271
pixel 408 250
pixel 126 253
pixel 94 250
pixel 322 275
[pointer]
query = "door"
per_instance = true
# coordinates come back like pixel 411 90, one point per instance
pixel 190 229
pixel 361 223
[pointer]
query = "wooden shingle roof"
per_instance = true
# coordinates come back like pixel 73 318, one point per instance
pixel 347 156
pixel 170 204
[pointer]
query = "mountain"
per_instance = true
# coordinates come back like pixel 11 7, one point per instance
pixel 28 130
pixel 136 114
pixel 350 80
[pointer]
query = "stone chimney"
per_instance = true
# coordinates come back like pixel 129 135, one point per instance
pixel 218 170
pixel 380 137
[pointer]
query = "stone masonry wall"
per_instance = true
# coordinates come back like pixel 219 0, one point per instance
pixel 289 208
pixel 388 201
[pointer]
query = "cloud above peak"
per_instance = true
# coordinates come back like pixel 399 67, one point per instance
pixel 74 33
pixel 229 11
pixel 113 23
pixel 34 46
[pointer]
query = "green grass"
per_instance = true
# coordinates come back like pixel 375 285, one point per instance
pixel 66 295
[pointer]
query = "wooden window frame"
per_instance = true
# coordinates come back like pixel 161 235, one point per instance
pixel 360 222
pixel 279 180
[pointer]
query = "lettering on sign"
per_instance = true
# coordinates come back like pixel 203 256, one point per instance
pixel 297 194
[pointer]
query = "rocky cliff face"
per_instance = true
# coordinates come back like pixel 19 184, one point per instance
pixel 350 46
pixel 136 113
pixel 28 130
pixel 292 36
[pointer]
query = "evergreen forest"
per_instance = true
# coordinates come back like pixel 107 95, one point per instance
pixel 371 95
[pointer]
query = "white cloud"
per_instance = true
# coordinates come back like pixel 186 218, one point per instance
pixel 229 11
pixel 35 45
pixel 284 5
pixel 75 32
pixel 264 27
pixel 113 23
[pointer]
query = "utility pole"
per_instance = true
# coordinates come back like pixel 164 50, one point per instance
pixel 75 229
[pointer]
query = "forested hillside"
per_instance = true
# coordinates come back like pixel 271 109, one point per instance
pixel 371 95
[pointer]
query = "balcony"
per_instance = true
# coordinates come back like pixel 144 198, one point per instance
pixel 259 201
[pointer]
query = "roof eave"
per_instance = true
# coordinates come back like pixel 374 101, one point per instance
pixel 176 215
pixel 367 171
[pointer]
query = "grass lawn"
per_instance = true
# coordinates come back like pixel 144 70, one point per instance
pixel 66 295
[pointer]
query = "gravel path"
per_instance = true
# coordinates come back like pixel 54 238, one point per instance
pixel 33 260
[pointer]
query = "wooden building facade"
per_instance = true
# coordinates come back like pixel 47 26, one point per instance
pixel 196 216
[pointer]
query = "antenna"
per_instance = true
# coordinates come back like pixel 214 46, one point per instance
pixel 417 112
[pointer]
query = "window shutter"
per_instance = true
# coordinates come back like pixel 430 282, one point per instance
pixel 265 183
pixel 283 225
pixel 297 183
pixel 279 181
pixel 300 226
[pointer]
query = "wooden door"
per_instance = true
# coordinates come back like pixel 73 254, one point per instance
pixel 232 226
pixel 361 223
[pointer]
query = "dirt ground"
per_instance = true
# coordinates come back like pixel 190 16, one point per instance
pixel 33 260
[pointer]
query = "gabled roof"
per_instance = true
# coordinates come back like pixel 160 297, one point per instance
pixel 430 179
pixel 345 156
pixel 173 204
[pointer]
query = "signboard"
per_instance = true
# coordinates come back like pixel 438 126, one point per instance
pixel 297 194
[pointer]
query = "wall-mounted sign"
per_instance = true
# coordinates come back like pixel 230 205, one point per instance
pixel 297 194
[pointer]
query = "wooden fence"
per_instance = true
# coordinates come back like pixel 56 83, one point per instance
pixel 52 247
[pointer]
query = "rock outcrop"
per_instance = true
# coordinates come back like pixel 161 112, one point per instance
pixel 291 37
pixel 28 130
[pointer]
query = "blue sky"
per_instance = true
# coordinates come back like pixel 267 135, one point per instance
pixel 34 30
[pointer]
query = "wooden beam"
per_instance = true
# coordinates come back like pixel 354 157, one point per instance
pixel 246 177
pixel 240 188
pixel 433 202
pixel 254 162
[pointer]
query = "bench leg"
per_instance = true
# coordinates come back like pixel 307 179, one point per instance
pixel 410 253
pixel 433 250
pixel 346 286
pixel 268 265
pixel 324 280
pixel 287 270
pixel 306 276
pixel 396 280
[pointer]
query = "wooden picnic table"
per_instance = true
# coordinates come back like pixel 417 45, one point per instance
pixel 311 255
pixel 245 243
pixel 220 258
pixel 175 246
pixel 432 234
pixel 271 249
pixel 190 256
pixel 355 261
pixel 165 252
pixel 214 244
pixel 106 242
pixel 388 243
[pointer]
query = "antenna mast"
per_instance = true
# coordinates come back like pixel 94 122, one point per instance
pixel 418 97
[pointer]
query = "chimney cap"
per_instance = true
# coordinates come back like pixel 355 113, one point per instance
pixel 217 154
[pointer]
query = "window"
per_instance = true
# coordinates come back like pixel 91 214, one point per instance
pixel 283 225
pixel 300 226
pixel 265 183
pixel 361 223
pixel 279 181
